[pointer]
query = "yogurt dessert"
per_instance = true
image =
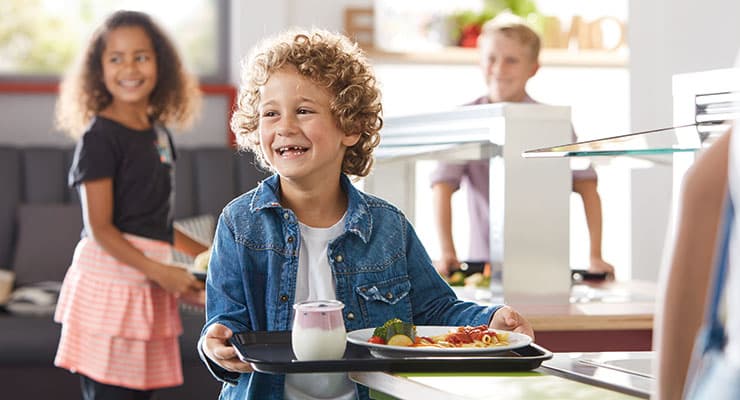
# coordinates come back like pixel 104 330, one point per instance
pixel 318 330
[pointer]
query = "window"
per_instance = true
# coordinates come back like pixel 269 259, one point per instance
pixel 43 37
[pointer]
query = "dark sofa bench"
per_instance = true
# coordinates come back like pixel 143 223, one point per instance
pixel 37 214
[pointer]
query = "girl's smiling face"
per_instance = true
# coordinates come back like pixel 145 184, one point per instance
pixel 299 135
pixel 129 65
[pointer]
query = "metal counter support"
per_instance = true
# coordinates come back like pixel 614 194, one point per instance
pixel 529 197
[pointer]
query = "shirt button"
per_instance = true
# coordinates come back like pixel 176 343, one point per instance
pixel 284 298
pixel 290 239
pixel 339 258
pixel 286 215
pixel 389 295
pixel 350 316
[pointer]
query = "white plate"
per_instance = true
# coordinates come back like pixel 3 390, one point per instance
pixel 360 337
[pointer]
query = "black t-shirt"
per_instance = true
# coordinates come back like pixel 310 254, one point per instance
pixel 141 164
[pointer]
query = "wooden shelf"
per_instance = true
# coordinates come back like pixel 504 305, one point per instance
pixel 466 56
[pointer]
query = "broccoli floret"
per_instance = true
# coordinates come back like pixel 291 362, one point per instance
pixel 394 327
pixel 382 331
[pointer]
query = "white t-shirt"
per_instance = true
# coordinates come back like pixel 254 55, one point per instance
pixel 316 282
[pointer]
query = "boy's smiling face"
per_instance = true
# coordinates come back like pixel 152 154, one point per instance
pixel 299 135
pixel 507 66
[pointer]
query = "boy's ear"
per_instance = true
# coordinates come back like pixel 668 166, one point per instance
pixel 535 68
pixel 351 139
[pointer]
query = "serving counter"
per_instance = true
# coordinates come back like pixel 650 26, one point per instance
pixel 584 376
pixel 600 316
pixel 523 193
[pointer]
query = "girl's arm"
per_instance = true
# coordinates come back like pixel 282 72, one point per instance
pixel 96 197
pixel 188 245
pixel 684 283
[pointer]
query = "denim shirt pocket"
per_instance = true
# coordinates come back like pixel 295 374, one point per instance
pixel 381 301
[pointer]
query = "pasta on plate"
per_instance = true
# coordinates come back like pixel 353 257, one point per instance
pixel 465 336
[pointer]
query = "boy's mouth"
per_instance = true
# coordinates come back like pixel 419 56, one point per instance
pixel 291 150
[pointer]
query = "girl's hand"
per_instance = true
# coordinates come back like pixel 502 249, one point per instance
pixel 194 297
pixel 176 280
pixel 217 348
pixel 508 319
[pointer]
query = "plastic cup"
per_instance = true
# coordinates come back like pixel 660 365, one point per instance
pixel 318 330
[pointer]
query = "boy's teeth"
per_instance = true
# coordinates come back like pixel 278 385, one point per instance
pixel 298 149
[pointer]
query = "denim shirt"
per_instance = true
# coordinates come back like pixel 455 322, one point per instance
pixel 380 269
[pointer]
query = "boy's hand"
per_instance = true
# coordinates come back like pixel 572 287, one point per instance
pixel 447 264
pixel 508 319
pixel 598 265
pixel 217 348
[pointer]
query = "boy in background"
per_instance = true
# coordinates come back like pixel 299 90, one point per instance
pixel 509 51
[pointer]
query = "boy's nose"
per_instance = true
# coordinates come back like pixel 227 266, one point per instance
pixel 286 126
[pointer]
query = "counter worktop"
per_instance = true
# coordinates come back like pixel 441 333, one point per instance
pixel 601 316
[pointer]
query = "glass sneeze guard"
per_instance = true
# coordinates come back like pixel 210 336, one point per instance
pixel 675 139
pixel 712 112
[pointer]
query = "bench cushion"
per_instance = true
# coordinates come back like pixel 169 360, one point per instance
pixel 47 236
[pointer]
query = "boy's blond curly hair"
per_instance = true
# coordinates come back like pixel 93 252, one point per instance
pixel 331 61
pixel 175 99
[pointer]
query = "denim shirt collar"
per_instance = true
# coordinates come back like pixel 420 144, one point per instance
pixel 358 220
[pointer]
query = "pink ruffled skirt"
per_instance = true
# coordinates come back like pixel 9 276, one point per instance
pixel 118 327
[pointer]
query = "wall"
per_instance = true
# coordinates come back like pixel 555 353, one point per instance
pixel 252 20
pixel 28 121
pixel 667 37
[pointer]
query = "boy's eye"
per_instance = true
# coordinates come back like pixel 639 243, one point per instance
pixel 269 113
pixel 114 59
pixel 142 58
pixel 304 111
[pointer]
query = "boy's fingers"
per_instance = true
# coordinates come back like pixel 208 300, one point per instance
pixel 224 352
pixel 219 331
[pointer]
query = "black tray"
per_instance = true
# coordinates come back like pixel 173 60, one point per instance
pixel 271 352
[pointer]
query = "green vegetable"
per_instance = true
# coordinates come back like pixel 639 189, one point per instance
pixel 394 327
pixel 456 279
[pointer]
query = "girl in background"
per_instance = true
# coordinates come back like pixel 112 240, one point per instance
pixel 118 306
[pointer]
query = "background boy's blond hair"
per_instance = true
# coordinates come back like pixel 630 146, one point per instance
pixel 512 27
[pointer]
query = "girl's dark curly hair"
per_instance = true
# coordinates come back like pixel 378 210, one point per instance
pixel 329 60
pixel 174 100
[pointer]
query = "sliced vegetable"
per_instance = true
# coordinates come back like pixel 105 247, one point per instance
pixel 395 327
pixel 376 340
pixel 400 328
pixel 400 340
